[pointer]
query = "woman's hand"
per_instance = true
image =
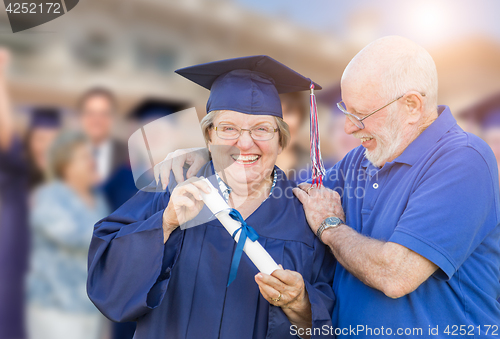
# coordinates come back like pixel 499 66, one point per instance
pixel 185 204
pixel 286 289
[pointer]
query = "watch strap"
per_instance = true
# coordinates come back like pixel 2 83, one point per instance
pixel 324 225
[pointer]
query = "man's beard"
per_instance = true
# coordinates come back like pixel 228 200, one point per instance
pixel 389 140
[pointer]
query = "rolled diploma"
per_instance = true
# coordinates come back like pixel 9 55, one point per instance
pixel 254 250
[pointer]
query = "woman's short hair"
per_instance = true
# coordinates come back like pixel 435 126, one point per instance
pixel 207 123
pixel 61 152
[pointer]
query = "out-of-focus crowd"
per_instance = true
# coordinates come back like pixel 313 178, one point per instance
pixel 56 182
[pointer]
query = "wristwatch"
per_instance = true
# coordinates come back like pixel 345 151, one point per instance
pixel 328 223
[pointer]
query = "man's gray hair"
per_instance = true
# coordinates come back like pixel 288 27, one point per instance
pixel 399 65
pixel 412 71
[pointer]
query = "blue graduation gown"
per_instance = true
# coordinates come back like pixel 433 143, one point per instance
pixel 14 240
pixel 178 290
pixel 120 186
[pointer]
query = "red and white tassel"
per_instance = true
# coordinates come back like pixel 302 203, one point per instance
pixel 318 169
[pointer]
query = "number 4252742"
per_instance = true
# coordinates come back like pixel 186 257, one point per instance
pixel 33 8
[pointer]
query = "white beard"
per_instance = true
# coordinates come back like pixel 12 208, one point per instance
pixel 389 140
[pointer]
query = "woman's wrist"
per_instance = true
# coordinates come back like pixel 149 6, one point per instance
pixel 299 311
pixel 168 226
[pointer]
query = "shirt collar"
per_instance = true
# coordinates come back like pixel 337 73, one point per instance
pixel 105 145
pixel 444 122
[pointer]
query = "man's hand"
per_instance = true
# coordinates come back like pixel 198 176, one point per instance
pixel 185 204
pixel 319 204
pixel 194 157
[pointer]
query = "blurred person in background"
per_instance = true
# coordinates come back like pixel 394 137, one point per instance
pixel 490 132
pixel 340 142
pixel 120 186
pixel 45 125
pixel 155 135
pixel 294 158
pixel 63 212
pixel 13 223
pixel 97 109
pixel 490 129
pixel 485 119
pixel 22 161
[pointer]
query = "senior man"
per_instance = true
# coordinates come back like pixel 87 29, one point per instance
pixel 412 215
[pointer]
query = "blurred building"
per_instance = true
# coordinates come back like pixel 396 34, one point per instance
pixel 134 46
pixel 468 70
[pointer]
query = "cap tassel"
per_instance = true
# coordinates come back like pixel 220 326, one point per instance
pixel 318 169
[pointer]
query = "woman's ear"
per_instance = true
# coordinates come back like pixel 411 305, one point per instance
pixel 209 141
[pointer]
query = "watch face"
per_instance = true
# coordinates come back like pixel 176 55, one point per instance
pixel 333 221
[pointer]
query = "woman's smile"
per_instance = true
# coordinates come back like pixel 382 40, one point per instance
pixel 246 159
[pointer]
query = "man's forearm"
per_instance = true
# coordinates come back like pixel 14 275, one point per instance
pixel 386 266
pixel 360 255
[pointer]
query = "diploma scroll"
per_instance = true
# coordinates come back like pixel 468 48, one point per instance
pixel 254 250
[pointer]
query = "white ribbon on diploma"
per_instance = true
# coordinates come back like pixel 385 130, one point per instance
pixel 254 250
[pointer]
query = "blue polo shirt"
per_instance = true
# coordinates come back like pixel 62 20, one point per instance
pixel 439 198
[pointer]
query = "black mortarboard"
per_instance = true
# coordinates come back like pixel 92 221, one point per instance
pixel 247 85
pixel 48 117
pixel 151 109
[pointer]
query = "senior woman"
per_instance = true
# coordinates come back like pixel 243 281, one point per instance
pixel 63 212
pixel 174 280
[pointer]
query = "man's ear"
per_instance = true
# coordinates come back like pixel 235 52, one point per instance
pixel 415 106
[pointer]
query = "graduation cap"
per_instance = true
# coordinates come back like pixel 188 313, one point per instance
pixel 330 97
pixel 252 85
pixel 492 119
pixel 485 113
pixel 47 117
pixel 149 112
pixel 152 108
pixel 247 85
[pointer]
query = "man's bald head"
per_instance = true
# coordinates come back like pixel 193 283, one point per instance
pixel 392 66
